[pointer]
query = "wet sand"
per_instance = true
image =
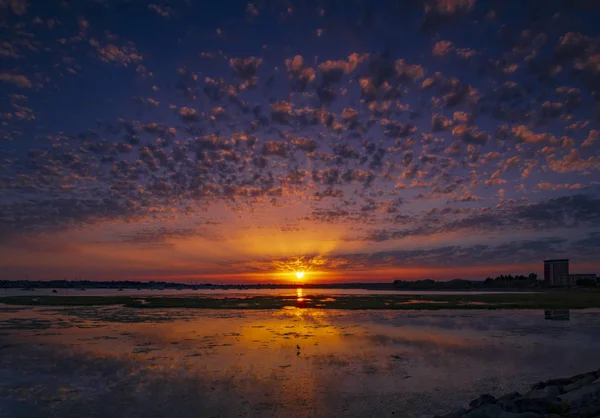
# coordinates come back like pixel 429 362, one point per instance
pixel 311 299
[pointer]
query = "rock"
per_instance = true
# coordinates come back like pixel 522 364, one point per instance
pixel 456 413
pixel 538 405
pixel 588 411
pixel 562 381
pixel 484 399
pixel 525 415
pixel 507 401
pixel 547 392
pixel 485 411
pixel 578 384
pixel 582 396
pixel 573 397
pixel 494 411
pixel 509 396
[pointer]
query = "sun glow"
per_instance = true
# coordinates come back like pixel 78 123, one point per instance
pixel 299 274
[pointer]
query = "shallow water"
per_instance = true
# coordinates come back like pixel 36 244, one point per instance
pixel 219 293
pixel 113 361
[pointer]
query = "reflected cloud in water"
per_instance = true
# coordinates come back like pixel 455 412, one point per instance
pixel 114 361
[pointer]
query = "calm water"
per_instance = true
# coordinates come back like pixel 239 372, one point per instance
pixel 112 361
pixel 218 293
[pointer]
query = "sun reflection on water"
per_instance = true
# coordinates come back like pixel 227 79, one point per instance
pixel 300 297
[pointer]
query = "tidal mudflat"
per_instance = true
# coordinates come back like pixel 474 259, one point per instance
pixel 318 300
pixel 106 361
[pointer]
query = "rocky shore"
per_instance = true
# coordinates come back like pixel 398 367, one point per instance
pixel 570 397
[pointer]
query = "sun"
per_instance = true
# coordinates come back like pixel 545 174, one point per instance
pixel 299 274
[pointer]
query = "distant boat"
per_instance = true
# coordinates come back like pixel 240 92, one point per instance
pixel 557 314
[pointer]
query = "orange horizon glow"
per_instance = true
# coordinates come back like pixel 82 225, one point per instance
pixel 324 277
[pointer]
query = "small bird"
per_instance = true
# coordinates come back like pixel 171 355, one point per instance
pixel 297 347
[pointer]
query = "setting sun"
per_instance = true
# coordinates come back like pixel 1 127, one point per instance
pixel 299 274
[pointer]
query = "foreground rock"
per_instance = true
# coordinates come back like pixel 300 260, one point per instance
pixel 572 397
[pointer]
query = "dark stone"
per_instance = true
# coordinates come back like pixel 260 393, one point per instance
pixel 507 401
pixel 456 413
pixel 579 383
pixel 547 392
pixel 485 411
pixel 509 397
pixel 589 411
pixel 484 399
pixel 587 395
pixel 538 405
pixel 562 381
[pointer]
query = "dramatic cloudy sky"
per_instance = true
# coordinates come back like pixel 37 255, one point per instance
pixel 354 140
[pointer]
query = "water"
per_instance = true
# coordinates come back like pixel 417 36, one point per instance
pixel 231 293
pixel 114 361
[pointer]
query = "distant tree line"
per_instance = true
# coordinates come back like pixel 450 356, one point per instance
pixel 502 281
pixel 132 284
pixel 89 284
pixel 508 280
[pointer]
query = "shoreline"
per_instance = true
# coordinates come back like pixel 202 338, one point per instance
pixel 571 397
pixel 468 301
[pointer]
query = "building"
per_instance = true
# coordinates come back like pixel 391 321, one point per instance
pixel 567 281
pixel 573 279
pixel 554 270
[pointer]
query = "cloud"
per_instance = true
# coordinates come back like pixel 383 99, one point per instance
pixel 39 215
pixel 470 135
pixel 593 136
pixel 281 112
pixel 305 144
pixel 513 252
pixel 188 114
pixel 333 71
pixel 161 236
pixel 552 214
pixel 245 68
pixel 19 7
pixel 408 72
pixel 443 48
pixel 526 136
pixel 164 11
pixel 440 123
pixel 439 12
pixel 299 74
pixel 332 136
pixel 123 55
pixel 17 80
pixel 573 161
pixel 279 149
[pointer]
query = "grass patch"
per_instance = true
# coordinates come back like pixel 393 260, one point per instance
pixel 542 300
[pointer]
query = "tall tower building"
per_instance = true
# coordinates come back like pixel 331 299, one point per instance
pixel 554 270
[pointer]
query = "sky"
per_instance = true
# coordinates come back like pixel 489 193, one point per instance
pixel 238 142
